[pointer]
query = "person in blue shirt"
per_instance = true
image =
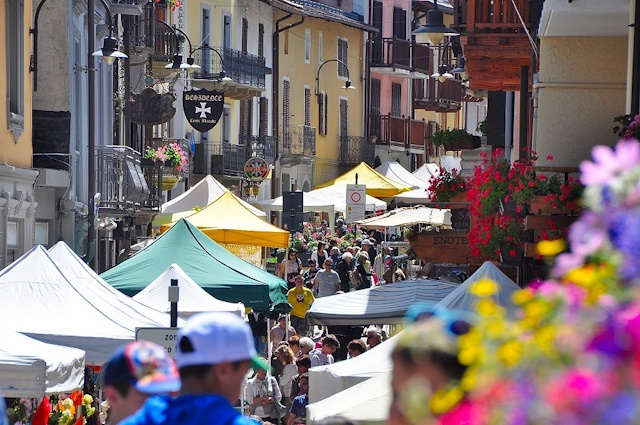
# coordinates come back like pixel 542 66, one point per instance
pixel 299 405
pixel 213 354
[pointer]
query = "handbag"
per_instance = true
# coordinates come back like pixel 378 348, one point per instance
pixel 355 278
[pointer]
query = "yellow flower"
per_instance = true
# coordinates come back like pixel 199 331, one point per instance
pixel 522 296
pixel 445 399
pixel 544 337
pixel 87 399
pixel 487 307
pixel 495 328
pixel 484 288
pixel 551 248
pixel 469 379
pixel 468 356
pixel 67 404
pixel 510 352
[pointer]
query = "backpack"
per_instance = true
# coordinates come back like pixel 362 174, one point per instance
pixel 355 278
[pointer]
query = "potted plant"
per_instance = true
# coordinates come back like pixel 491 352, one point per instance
pixel 447 187
pixel 453 139
pixel 172 158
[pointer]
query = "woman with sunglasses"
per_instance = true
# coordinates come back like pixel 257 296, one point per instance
pixel 293 266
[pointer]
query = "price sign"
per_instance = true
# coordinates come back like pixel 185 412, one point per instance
pixel 165 337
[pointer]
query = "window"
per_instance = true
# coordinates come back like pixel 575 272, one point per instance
pixel 320 47
pixel 204 34
pixel 307 45
pixel 261 40
pixel 12 241
pixel 343 56
pixel 344 123
pixel 246 117
pixel 286 42
pixel 42 233
pixel 399 23
pixel 264 117
pixel 322 114
pixel 14 18
pixel 375 96
pixel 245 34
pixel 307 105
pixel 396 99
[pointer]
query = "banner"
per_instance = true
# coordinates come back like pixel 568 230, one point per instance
pixel 203 108
pixel 250 253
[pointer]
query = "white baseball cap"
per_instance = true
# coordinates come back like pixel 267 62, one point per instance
pixel 216 338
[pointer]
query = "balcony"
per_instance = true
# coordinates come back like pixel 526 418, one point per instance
pixel 298 144
pixel 125 185
pixel 226 159
pixel 432 95
pixel 494 41
pixel 151 39
pixel 356 149
pixel 402 58
pixel 398 133
pixel 247 72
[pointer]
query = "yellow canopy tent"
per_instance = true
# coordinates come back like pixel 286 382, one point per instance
pixel 377 184
pixel 227 221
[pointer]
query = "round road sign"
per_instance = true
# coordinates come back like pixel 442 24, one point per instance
pixel 256 169
pixel 355 197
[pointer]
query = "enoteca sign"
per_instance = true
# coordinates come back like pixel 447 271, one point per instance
pixel 203 108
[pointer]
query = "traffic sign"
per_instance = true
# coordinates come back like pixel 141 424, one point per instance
pixel 356 201
pixel 165 337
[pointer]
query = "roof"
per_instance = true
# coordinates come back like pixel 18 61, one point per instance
pixel 377 184
pixel 318 10
pixel 397 172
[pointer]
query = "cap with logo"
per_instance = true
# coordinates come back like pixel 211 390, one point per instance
pixel 215 338
pixel 146 366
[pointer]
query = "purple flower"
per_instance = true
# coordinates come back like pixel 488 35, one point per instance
pixel 608 162
pixel 624 234
pixel 587 235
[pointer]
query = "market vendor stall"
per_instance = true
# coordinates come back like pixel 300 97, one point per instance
pixel 377 184
pixel 409 216
pixel 427 171
pixel 396 172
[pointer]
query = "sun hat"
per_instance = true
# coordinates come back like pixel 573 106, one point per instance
pixel 146 366
pixel 213 338
pixel 365 242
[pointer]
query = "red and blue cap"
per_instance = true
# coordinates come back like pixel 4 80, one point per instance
pixel 146 366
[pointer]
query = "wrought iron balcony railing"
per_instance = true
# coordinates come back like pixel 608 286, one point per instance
pixel 299 141
pixel 397 53
pixel 227 159
pixel 242 67
pixel 123 183
pixel 260 146
pixel 356 149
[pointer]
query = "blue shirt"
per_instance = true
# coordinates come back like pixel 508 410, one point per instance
pixel 187 410
pixel 299 406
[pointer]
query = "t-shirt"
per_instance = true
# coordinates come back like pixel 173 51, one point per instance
pixel 300 301
pixel 299 406
pixel 318 358
pixel 327 282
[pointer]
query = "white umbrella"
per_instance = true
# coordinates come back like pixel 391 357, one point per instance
pixel 408 217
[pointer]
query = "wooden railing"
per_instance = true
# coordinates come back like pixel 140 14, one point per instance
pixel 400 53
pixel 497 16
pixel 398 131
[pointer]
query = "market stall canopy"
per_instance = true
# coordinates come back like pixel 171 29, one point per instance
pixel 78 271
pixel 396 172
pixel 462 298
pixel 365 403
pixel 213 268
pixel 415 196
pixel 192 298
pixel 377 184
pixel 22 376
pixel 409 216
pixel 200 195
pixel 324 381
pixel 426 171
pixel 40 301
pixel 227 220
pixel 386 304
pixel 64 365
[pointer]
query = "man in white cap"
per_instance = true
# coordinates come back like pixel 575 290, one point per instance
pixel 214 352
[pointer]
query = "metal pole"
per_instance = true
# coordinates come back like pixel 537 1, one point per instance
pixel 91 130
pixel 173 298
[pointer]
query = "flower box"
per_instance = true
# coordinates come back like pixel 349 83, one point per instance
pixel 542 205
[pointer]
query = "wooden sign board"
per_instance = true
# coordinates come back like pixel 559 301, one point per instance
pixel 446 246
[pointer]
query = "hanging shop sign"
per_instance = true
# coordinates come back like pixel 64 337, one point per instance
pixel 203 108
pixel 256 169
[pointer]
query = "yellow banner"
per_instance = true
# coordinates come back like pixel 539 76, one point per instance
pixel 249 253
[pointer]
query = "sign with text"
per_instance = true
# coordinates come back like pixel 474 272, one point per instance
pixel 165 337
pixel 356 201
pixel 460 218
pixel 250 253
pixel 446 246
pixel 203 108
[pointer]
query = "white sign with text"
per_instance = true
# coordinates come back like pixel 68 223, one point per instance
pixel 166 337
pixel 356 201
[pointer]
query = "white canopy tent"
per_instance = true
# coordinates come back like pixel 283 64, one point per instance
pixel 408 217
pixel 426 171
pixel 64 366
pixel 395 171
pixel 40 301
pixel 325 381
pixel 415 196
pixel 192 298
pixel 450 163
pixel 367 402
pixel 462 299
pixel 385 304
pixel 200 195
pixel 78 271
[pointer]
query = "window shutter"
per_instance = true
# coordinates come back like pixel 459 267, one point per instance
pixel 307 106
pixel 264 116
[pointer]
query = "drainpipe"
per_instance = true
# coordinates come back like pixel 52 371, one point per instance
pixel 91 127
pixel 275 95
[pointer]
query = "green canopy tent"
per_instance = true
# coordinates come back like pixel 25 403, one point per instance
pixel 216 270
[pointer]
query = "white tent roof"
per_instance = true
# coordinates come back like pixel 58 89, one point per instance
pixel 192 298
pixel 415 196
pixel 462 299
pixel 64 366
pixel 78 271
pixel 40 301
pixel 450 163
pixel 200 195
pixel 395 171
pixel 426 171
pixel 365 403
pixel 325 381
pixel 408 217
pixel 22 376
pixel 386 304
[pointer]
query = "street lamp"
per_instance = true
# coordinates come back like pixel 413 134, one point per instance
pixel 109 51
pixel 347 84
pixel 222 75
pixel 435 30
